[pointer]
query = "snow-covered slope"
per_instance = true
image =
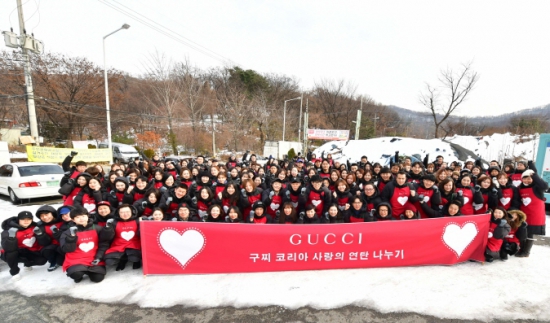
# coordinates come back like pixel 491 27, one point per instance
pixel 497 146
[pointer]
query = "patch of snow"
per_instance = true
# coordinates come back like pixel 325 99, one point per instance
pixel 516 289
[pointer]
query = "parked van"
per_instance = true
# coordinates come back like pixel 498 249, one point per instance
pixel 122 153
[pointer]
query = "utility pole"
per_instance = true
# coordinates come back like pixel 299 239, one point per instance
pixel 33 124
pixel 375 118
pixel 357 124
pixel 306 125
pixel 213 136
pixel 300 121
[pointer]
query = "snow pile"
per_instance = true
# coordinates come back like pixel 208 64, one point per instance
pixel 496 146
pixel 499 146
pixel 516 289
pixel 381 149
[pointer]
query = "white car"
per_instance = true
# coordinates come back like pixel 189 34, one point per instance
pixel 30 180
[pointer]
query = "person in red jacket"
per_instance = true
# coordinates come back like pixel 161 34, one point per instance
pixel 19 244
pixel 518 233
pixel 123 232
pixel 397 193
pixel 498 230
pixel 84 248
pixel 531 192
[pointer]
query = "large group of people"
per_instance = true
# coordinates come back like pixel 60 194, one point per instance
pixel 98 224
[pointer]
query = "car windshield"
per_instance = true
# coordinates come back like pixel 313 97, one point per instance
pixel 40 170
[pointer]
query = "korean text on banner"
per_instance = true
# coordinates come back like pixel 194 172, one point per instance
pixel 327 134
pixel 201 248
pixel 57 155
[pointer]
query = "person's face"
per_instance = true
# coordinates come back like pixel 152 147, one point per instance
pixel 273 169
pixel 329 156
pixel 428 183
pixel 383 211
pixel 401 179
pixel 125 213
pixel 215 212
pixel 200 160
pixel 141 184
pixel 358 175
pixel 120 186
pixel 310 213
pixel 249 188
pixel 103 210
pixel 169 181
pixel 158 216
pixel 353 168
pixel 333 211
pixel 453 209
pixel 66 217
pixel 493 164
pixel 527 181
pixel 259 211
pixel 282 175
pixel 409 214
pixel 132 177
pixel 341 187
pixel 233 215
pixel 81 168
pixel 357 204
pixel 185 174
pixel 475 171
pixel 257 181
pixel 234 173
pixel 466 181
pixel 367 177
pixel 158 176
pixel 317 185
pixel 195 172
pixel 448 187
pixel 81 219
pixel 230 190
pixel 498 214
pixel 325 165
pixel 204 194
pixel 439 160
pixel 369 190
pixel 205 179
pixel 344 174
pixel 112 178
pixel 486 183
pixel 385 176
pixel 180 192
pixel 183 212
pixel 442 176
pixel 416 169
pixel 81 181
pixel 94 184
pixel 287 210
pixel 430 169
pixel 46 217
pixel 502 180
pixel 276 186
pixel 514 216
pixel 395 169
pixel 222 179
pixel 214 171
pixel 295 186
pixel 334 177
pixel 349 180
pixel 152 198
pixel 25 222
pixel 520 166
pixel 326 182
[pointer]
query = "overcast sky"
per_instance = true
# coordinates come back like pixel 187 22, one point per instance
pixel 389 49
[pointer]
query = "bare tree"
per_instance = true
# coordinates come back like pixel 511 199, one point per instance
pixel 336 101
pixel 453 89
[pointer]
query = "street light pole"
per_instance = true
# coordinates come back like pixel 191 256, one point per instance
pixel 284 114
pixel 125 26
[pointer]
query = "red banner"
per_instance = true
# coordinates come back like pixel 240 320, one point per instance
pixel 204 248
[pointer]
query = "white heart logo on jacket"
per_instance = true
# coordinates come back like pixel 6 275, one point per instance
pixel 516 183
pixel 29 242
pixel 295 204
pixel 182 247
pixel 316 202
pixel 127 235
pixel 526 201
pixel 86 246
pixel 477 206
pixel 426 199
pixel 402 199
pixel 459 238
pixel 225 208
pixel 274 206
pixel 466 200
pixel 89 206
pixel 504 200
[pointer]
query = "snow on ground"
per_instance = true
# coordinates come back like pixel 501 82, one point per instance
pixel 516 289
pixel 494 147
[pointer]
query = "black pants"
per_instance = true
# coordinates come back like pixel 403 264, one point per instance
pixel 95 277
pixel 27 257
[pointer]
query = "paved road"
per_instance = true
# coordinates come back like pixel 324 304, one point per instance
pixel 18 308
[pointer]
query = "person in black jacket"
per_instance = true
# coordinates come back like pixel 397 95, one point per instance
pixel 72 172
pixel 309 216
pixel 19 244
pixel 120 194
pixel 498 230
pixel 84 247
pixel 357 212
pixel 334 215
pixel 47 224
pixel 370 196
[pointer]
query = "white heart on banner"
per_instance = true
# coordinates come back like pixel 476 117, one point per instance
pixel 29 242
pixel 182 247
pixel 127 235
pixel 86 246
pixel 526 201
pixel 459 238
pixel 504 200
pixel 402 199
